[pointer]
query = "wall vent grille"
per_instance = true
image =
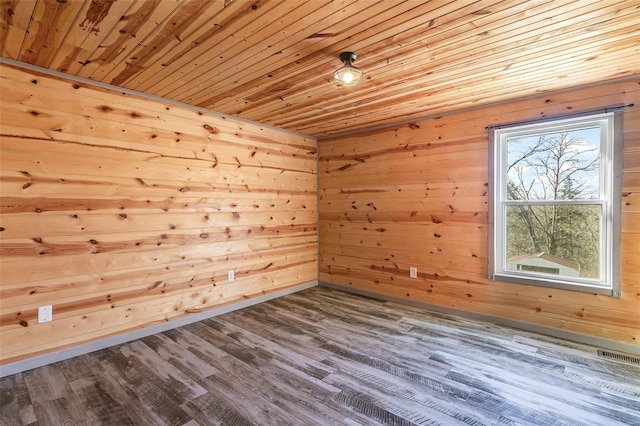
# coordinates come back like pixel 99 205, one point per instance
pixel 619 357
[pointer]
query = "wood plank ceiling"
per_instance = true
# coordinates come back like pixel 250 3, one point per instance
pixel 272 60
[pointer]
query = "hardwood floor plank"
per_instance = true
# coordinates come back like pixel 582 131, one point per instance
pixel 99 405
pixel 441 406
pixel 52 397
pixel 158 397
pixel 434 386
pixel 324 357
pixel 15 403
pixel 238 377
pixel 128 397
pixel 255 396
pixel 189 365
pixel 297 391
pixel 207 409
pixel 372 408
pixel 296 355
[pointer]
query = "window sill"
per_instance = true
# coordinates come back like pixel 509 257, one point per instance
pixel 557 284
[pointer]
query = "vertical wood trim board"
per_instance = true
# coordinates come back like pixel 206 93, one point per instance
pixel 415 195
pixel 123 213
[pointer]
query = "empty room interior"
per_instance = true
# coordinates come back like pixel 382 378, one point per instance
pixel 347 212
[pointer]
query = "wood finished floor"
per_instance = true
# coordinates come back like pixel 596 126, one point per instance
pixel 326 357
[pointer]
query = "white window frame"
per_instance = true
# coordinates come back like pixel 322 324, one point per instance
pixel 610 201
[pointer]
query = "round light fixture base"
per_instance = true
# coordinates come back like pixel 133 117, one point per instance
pixel 348 56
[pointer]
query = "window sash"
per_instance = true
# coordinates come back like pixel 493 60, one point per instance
pixel 601 281
pixel 609 201
pixel 552 202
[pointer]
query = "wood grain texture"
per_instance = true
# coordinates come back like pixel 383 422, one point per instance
pixel 122 212
pixel 416 195
pixel 322 357
pixel 272 60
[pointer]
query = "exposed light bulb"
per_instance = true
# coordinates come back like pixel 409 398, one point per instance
pixel 348 75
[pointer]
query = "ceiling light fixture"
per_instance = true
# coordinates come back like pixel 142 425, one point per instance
pixel 348 75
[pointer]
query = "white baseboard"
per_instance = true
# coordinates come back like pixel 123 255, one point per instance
pixel 600 342
pixel 85 348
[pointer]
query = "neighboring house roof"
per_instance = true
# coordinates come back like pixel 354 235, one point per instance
pixel 549 257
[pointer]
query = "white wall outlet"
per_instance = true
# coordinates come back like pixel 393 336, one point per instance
pixel 413 272
pixel 231 275
pixel 45 314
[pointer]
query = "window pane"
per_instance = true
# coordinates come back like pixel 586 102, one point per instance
pixel 554 166
pixel 546 239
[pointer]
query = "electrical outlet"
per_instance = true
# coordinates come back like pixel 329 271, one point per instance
pixel 45 314
pixel 413 272
pixel 231 275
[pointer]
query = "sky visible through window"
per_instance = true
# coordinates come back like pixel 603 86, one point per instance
pixel 555 166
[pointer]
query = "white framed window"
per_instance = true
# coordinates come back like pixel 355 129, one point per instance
pixel 554 211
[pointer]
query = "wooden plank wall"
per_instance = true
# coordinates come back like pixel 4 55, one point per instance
pixel 416 195
pixel 123 212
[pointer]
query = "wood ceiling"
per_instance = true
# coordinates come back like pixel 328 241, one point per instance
pixel 272 60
